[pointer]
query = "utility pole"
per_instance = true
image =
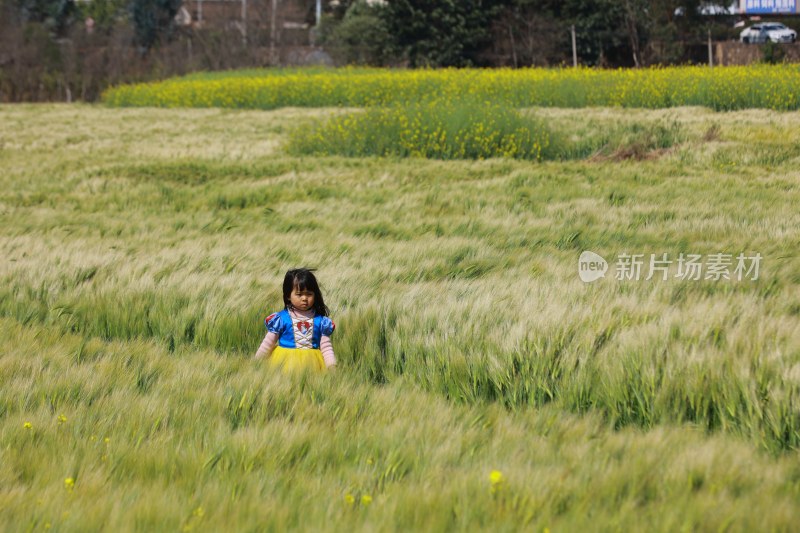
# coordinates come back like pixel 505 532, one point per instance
pixel 710 51
pixel 319 11
pixel 244 22
pixel 272 36
pixel 574 48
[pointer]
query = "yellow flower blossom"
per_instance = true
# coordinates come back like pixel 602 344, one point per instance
pixel 723 88
pixel 497 481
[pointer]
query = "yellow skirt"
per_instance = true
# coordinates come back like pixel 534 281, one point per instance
pixel 297 360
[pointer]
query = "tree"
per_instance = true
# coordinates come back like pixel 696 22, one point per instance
pixel 535 35
pixel 55 15
pixel 635 12
pixel 670 23
pixel 634 32
pixel 152 20
pixel 441 33
pixel 600 27
pixel 104 13
pixel 360 37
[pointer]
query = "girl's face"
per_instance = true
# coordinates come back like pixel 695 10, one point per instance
pixel 302 300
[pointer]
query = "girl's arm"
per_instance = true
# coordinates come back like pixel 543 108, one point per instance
pixel 267 345
pixel 326 348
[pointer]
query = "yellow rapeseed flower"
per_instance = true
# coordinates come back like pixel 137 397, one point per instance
pixel 69 483
pixel 27 425
pixel 349 499
pixel 366 499
pixel 61 419
pixel 720 88
pixel 497 481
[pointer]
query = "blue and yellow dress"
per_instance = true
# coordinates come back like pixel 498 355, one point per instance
pixel 298 340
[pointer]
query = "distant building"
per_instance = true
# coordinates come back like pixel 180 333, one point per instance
pixel 293 18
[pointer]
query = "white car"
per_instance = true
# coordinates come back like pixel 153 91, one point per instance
pixel 773 31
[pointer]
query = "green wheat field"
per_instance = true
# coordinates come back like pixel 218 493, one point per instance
pixel 481 383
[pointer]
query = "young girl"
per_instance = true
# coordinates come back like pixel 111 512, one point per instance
pixel 302 331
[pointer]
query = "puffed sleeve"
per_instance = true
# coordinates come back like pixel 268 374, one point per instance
pixel 274 323
pixel 327 326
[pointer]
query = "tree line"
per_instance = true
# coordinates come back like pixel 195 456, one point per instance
pixel 459 33
pixel 63 49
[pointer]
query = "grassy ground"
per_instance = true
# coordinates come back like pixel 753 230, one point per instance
pixel 144 247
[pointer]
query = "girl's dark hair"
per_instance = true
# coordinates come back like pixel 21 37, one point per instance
pixel 303 279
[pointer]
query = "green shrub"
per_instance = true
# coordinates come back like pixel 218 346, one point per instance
pixel 772 53
pixel 360 38
pixel 435 130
